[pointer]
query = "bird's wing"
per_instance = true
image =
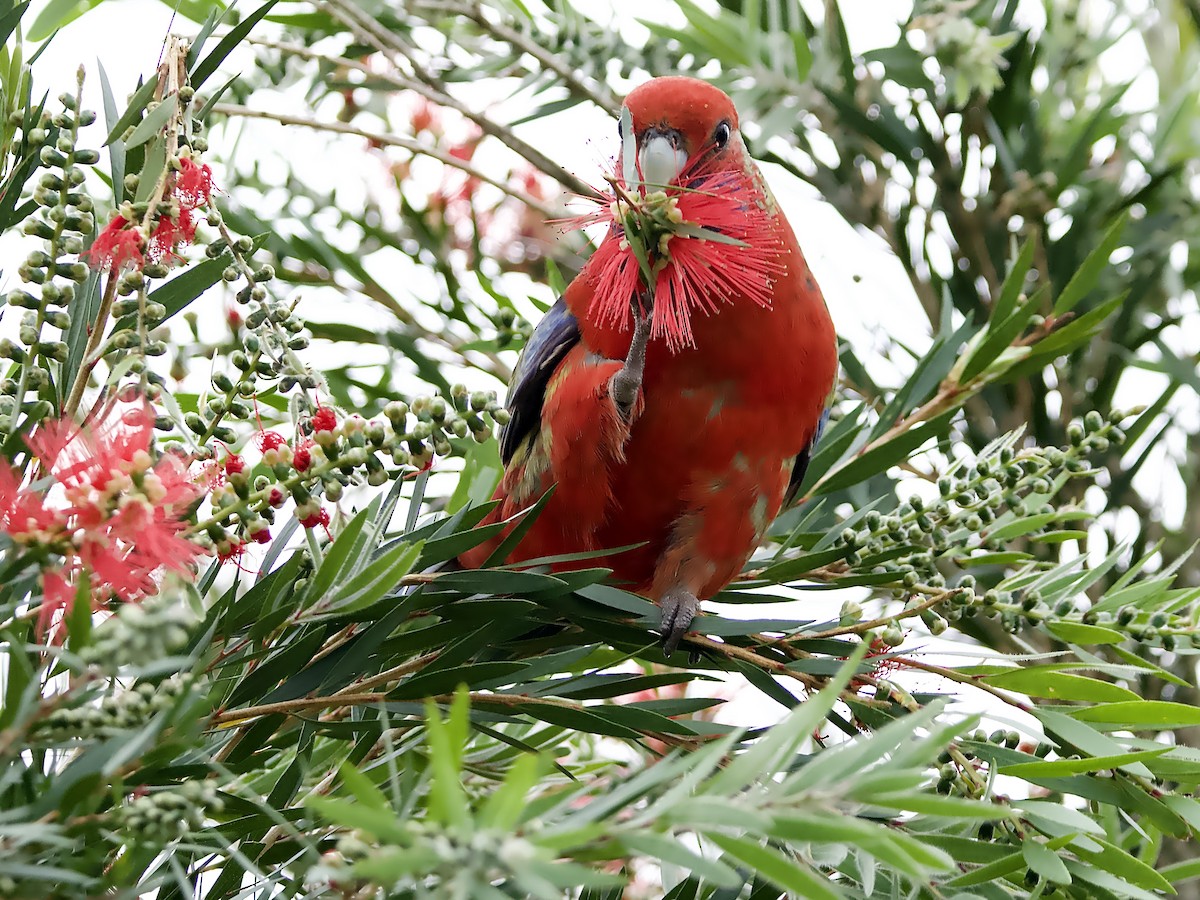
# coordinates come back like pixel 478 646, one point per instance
pixel 802 460
pixel 553 338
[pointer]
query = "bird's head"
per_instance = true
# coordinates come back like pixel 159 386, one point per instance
pixel 681 124
pixel 692 226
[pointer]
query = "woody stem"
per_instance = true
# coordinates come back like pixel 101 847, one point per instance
pixel 90 359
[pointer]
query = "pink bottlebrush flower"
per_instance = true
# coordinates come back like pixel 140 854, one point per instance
pixel 714 242
pixel 24 515
pixel 122 521
pixel 193 184
pixel 118 245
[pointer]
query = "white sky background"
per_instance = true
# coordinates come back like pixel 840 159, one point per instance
pixel 868 292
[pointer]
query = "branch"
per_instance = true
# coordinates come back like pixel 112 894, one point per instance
pixel 232 109
pixel 370 32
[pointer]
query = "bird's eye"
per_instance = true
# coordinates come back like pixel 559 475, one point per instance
pixel 721 135
pixel 620 129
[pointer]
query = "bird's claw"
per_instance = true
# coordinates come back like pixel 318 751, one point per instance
pixel 627 382
pixel 679 607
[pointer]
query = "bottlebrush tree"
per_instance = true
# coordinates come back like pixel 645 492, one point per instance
pixel 234 457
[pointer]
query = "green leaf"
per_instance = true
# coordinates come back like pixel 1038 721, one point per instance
pixel 340 559
pixel 524 520
pixel 363 789
pixel 116 151
pixel 1041 681
pixel 1059 767
pixel 141 97
pixel 1014 281
pixel 56 14
pixel 1006 865
pixel 505 806
pixel 225 46
pixel 1045 861
pixel 669 850
pixel 375 581
pixel 939 805
pixel 1125 866
pixel 776 868
pixel 1138 714
pixel 1057 813
pixel 378 822
pixel 447 800
pixel 779 745
pixel 156 120
pixel 879 458
pixel 1088 273
pixel 1079 633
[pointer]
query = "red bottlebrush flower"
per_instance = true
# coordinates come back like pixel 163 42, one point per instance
pixel 269 440
pixel 261 537
pixel 234 464
pixel 193 184
pixel 324 419
pixel 118 245
pixel 712 243
pixel 234 319
pixel 320 517
pixel 231 548
pixel 302 458
pixel 170 234
pixel 276 498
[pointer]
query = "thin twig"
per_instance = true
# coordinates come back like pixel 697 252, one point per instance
pixel 233 109
pixel 881 622
pixel 599 95
pixel 369 31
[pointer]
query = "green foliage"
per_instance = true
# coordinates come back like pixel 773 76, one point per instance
pixel 341 714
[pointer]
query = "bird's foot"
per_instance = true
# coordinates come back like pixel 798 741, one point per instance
pixel 679 607
pixel 625 385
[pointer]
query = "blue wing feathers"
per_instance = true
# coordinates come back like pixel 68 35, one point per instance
pixel 553 338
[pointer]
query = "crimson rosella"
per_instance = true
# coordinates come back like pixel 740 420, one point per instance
pixel 677 417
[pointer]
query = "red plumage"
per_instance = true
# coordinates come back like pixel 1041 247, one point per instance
pixel 738 370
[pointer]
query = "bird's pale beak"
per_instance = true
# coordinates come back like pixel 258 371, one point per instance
pixel 660 160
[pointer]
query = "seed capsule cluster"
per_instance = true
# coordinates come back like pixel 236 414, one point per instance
pixel 489 854
pixel 115 713
pixel 329 455
pixel 156 628
pixel 924 547
pixel 52 274
pixel 161 816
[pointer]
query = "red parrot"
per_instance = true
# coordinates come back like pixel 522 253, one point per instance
pixel 677 416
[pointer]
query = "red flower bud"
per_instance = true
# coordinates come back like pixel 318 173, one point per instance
pixel 321 517
pixel 269 440
pixel 324 419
